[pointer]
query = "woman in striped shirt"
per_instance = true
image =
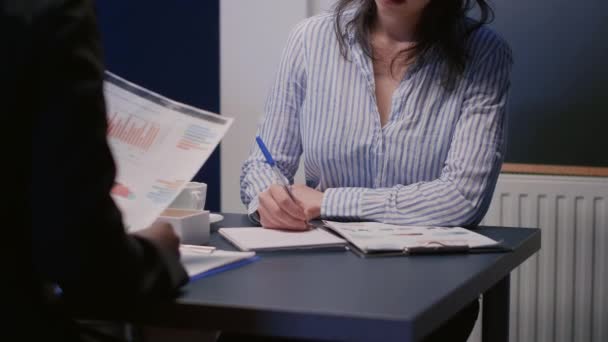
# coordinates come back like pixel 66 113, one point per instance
pixel 398 107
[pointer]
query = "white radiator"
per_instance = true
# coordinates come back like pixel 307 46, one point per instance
pixel 561 293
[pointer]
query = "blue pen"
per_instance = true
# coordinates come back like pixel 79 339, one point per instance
pixel 274 167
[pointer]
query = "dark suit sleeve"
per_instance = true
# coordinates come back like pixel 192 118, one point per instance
pixel 78 237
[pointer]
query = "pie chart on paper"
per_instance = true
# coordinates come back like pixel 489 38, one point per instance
pixel 122 191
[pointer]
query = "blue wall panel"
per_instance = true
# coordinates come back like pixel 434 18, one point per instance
pixel 172 48
pixel 559 102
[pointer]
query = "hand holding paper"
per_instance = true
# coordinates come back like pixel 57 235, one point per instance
pixel 158 145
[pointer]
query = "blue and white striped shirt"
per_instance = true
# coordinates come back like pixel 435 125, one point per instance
pixel 435 162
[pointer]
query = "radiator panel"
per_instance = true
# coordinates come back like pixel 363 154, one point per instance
pixel 559 294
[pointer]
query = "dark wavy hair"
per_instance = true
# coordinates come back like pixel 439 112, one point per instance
pixel 444 27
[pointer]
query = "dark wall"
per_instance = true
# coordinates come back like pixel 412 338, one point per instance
pixel 172 48
pixel 559 104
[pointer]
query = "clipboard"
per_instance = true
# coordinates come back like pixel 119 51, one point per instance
pixel 500 248
pixel 374 239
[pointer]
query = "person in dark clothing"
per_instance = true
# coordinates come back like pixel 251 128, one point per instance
pixel 62 231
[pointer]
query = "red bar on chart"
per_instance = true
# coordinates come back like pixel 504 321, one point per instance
pixel 133 131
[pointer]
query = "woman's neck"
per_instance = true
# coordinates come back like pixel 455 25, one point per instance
pixel 395 26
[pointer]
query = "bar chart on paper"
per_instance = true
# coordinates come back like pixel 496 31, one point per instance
pixel 158 145
pixel 135 131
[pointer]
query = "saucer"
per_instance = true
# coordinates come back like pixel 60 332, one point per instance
pixel 213 218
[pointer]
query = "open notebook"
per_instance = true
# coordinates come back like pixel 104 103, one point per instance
pixel 373 238
pixel 202 261
pixel 262 239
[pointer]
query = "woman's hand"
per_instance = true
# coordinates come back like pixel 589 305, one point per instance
pixel 309 200
pixel 278 211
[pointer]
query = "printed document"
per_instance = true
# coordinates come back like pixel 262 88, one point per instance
pixel 158 145
pixel 371 237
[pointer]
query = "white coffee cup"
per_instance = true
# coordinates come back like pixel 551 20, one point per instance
pixel 192 197
pixel 192 226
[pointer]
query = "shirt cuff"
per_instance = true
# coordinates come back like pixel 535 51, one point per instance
pixel 355 204
pixel 342 203
pixel 252 210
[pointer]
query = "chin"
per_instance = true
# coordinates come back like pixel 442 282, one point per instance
pixel 391 2
pixel 406 7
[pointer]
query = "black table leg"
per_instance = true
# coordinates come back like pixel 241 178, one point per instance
pixel 496 312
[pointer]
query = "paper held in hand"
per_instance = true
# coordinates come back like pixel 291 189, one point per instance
pixel 380 238
pixel 158 145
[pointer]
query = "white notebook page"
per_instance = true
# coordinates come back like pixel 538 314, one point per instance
pixel 256 238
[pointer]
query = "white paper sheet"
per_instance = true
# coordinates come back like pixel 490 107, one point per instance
pixel 262 239
pixel 196 260
pixel 158 145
